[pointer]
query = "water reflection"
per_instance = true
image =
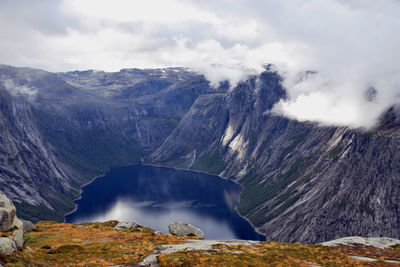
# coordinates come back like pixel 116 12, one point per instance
pixel 156 197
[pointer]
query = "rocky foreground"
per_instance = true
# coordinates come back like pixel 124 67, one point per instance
pixel 106 244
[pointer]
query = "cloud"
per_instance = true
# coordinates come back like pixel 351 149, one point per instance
pixel 350 44
pixel 20 90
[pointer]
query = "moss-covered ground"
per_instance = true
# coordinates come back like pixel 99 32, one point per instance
pixel 99 244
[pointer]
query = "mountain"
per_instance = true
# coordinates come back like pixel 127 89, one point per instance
pixel 60 130
pixel 301 181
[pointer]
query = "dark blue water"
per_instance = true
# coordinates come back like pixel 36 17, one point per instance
pixel 158 196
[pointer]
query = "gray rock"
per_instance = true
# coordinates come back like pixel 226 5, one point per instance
pixel 126 225
pixel 7 246
pixel 19 238
pixel 361 258
pixel 28 226
pixel 150 260
pixel 18 224
pixel 8 218
pixel 378 242
pixel 181 228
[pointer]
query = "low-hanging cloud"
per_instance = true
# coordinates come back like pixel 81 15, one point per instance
pixel 338 58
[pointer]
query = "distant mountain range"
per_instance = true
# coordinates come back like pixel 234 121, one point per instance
pixel 302 182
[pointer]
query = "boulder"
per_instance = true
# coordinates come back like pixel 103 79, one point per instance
pixel 17 224
pixel 126 225
pixel 28 226
pixel 7 246
pixel 181 228
pixel 8 218
pixel 19 238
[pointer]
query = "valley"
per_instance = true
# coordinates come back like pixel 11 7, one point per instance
pixel 301 181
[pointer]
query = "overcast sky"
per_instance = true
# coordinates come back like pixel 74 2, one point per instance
pixel 351 44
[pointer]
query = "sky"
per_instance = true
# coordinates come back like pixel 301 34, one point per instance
pixel 339 58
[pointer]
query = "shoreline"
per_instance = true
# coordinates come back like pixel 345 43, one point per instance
pixel 171 167
pixel 80 195
pixel 204 172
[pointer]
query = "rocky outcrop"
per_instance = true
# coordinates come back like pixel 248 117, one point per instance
pixel 8 218
pixel 181 228
pixel 10 222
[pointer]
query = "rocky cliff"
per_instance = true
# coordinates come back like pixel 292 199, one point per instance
pixel 58 131
pixel 302 182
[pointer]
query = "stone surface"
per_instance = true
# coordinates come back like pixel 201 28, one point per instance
pixel 181 228
pixel 362 258
pixel 7 246
pixel 126 225
pixel 8 218
pixel 18 224
pixel 28 226
pixel 378 242
pixel 19 238
pixel 7 213
pixel 149 261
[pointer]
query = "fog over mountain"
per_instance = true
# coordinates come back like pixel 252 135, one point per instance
pixel 351 46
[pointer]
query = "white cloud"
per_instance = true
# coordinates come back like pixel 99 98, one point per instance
pixel 352 44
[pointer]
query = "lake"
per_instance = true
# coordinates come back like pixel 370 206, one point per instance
pixel 157 196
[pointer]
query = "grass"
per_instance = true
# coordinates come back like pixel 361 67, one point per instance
pixel 96 244
pixel 273 254
pixel 99 244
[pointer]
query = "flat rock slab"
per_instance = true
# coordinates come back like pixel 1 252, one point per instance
pixel 378 242
pixel 362 258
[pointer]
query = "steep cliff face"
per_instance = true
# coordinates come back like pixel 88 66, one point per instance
pixel 59 131
pixel 301 182
pixel 30 174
